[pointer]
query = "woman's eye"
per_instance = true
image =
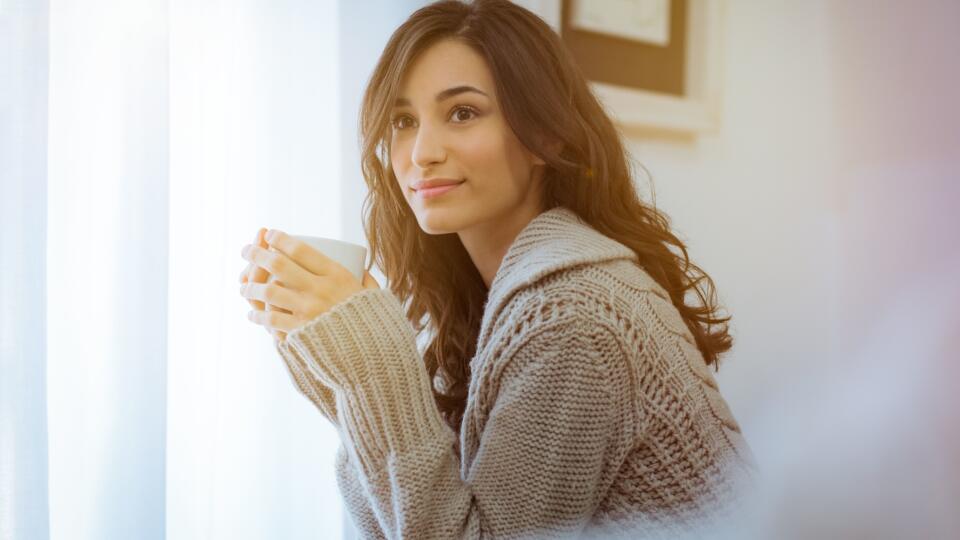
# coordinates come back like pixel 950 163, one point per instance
pixel 457 113
pixel 397 119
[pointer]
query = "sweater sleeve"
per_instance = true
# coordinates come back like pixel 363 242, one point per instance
pixel 318 393
pixel 355 497
pixel 559 424
pixel 324 400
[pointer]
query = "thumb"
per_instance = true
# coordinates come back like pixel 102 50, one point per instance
pixel 369 282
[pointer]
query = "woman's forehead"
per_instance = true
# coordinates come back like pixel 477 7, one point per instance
pixel 444 65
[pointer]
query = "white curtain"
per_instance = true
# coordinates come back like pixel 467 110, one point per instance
pixel 23 212
pixel 143 142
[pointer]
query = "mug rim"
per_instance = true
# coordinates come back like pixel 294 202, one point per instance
pixel 301 237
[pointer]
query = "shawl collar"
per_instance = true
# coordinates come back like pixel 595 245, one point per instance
pixel 554 240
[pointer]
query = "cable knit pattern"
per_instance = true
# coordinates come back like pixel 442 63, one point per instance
pixel 590 411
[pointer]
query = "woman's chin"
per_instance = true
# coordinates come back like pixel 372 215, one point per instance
pixel 435 221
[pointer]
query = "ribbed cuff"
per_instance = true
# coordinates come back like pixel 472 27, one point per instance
pixel 319 394
pixel 366 350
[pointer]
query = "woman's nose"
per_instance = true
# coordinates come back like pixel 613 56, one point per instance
pixel 428 148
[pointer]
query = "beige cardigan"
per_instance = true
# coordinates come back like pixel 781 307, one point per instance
pixel 590 409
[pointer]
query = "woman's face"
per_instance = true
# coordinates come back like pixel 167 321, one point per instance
pixel 441 132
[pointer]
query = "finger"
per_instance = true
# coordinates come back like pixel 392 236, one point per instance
pixel 256 274
pixel 247 271
pixel 278 264
pixel 271 331
pixel 271 307
pixel 260 274
pixel 369 282
pixel 255 304
pixel 277 334
pixel 275 295
pixel 274 320
pixel 250 273
pixel 272 279
pixel 303 254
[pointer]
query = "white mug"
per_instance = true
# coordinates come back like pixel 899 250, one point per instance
pixel 351 256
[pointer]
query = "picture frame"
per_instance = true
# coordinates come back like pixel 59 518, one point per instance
pixel 695 108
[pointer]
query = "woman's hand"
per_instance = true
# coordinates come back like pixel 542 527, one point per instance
pixel 306 283
pixel 255 274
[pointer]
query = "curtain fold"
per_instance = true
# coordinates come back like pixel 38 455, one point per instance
pixel 23 230
pixel 107 268
pixel 142 143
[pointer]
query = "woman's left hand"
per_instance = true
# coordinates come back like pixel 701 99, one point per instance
pixel 304 281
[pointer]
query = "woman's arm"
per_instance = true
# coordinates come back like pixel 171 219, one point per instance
pixel 356 497
pixel 324 400
pixel 318 393
pixel 560 423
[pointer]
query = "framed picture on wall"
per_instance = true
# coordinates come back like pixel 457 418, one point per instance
pixel 655 64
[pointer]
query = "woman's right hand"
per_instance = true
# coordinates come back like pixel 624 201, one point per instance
pixel 257 274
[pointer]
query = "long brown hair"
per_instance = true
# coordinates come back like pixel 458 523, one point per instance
pixel 433 275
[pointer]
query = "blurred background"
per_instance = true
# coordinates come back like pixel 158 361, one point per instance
pixel 144 142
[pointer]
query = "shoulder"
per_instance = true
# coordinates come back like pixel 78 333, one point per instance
pixel 606 291
pixel 567 320
pixel 604 303
pixel 631 300
pixel 599 307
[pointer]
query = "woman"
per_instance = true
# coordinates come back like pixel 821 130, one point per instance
pixel 564 388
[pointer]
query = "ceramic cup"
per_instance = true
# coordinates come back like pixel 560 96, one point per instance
pixel 350 255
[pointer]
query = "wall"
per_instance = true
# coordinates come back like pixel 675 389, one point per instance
pixel 824 209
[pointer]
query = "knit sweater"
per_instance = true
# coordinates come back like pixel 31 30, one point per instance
pixel 590 410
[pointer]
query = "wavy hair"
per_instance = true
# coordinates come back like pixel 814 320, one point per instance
pixel 433 275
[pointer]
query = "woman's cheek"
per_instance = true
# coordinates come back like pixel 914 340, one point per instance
pixel 481 149
pixel 399 167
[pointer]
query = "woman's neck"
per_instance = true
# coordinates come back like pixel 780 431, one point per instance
pixel 488 242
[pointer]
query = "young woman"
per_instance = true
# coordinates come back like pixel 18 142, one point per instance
pixel 564 386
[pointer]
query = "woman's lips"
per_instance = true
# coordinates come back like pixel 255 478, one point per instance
pixel 429 193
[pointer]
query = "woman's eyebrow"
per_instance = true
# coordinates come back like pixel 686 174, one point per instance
pixel 446 94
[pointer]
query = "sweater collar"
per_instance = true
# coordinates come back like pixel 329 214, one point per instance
pixel 554 240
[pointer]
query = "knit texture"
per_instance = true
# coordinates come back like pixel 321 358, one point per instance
pixel 590 410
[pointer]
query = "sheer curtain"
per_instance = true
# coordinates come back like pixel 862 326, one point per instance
pixel 143 142
pixel 23 164
pixel 251 112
